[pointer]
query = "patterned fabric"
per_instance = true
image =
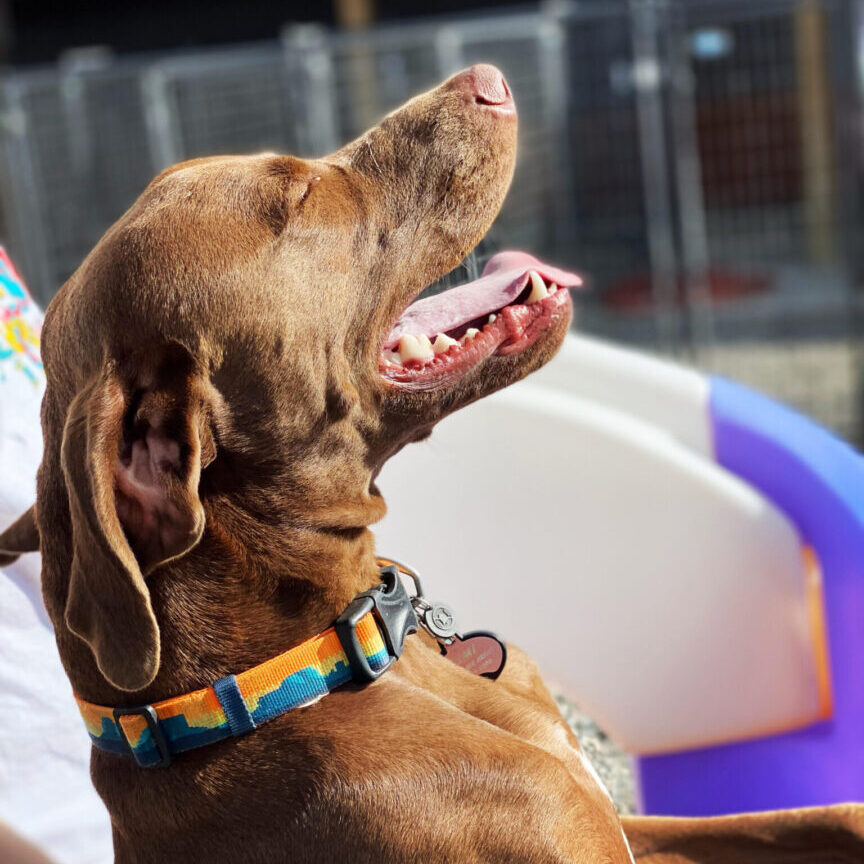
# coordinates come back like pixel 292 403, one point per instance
pixel 20 323
pixel 293 679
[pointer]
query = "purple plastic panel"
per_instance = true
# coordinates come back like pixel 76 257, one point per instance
pixel 818 481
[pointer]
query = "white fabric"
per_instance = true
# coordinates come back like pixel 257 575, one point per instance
pixel 45 790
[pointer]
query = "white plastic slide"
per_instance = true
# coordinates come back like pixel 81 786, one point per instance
pixel 580 515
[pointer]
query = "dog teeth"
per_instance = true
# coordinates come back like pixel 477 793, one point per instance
pixel 538 288
pixel 552 288
pixel 415 348
pixel 491 319
pixel 443 343
pixel 471 332
pixel 392 358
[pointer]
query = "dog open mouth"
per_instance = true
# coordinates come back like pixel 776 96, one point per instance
pixel 504 312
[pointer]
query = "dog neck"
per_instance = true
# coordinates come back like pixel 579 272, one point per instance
pixel 232 603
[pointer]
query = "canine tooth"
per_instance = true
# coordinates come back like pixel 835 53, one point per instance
pixel 443 343
pixel 538 288
pixel 491 319
pixel 471 332
pixel 411 348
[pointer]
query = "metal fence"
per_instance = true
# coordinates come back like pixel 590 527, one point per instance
pixel 699 161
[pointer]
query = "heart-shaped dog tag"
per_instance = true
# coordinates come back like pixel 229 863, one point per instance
pixel 479 652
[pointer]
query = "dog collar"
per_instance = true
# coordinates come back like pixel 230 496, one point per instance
pixel 361 645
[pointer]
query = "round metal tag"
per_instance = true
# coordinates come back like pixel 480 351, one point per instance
pixel 440 619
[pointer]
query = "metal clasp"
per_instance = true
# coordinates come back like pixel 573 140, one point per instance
pixel 436 618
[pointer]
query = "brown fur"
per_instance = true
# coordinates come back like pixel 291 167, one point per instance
pixel 214 422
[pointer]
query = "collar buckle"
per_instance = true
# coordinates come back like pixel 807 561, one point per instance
pixel 160 745
pixel 394 613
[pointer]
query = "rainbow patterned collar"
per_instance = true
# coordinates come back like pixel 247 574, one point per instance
pixel 363 643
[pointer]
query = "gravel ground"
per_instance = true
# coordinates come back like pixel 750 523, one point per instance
pixel 612 764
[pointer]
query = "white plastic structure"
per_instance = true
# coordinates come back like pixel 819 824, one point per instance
pixel 581 516
pixel 670 398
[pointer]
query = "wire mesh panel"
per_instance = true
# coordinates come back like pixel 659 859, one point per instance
pixel 42 181
pixel 767 82
pixel 21 219
pixel 699 161
pixel 76 156
pixel 529 51
pixel 770 81
pixel 608 229
pixel 714 189
pixel 345 82
pixel 80 144
pixel 750 141
pixel 376 72
pixel 113 160
pixel 220 103
pixel 364 75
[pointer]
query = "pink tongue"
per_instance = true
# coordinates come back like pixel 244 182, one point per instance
pixel 504 278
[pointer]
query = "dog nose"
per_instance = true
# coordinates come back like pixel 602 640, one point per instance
pixel 486 85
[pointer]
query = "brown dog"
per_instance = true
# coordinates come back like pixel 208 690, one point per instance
pixel 217 410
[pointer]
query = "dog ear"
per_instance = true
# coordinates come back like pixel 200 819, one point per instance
pixel 131 465
pixel 20 537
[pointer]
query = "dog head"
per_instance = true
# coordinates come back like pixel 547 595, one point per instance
pixel 233 355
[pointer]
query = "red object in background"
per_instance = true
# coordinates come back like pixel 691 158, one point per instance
pixel 633 293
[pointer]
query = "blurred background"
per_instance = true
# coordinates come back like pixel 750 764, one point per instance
pixel 700 162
